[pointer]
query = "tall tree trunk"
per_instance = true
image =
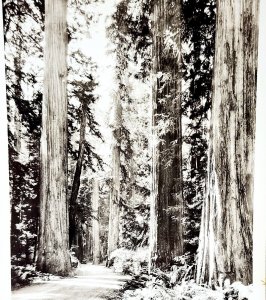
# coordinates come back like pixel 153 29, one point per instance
pixel 225 248
pixel 5 253
pixel 53 254
pixel 114 210
pixel 95 223
pixel 166 235
pixel 76 181
pixel 259 205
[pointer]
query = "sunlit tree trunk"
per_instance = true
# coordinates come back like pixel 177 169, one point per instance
pixel 73 230
pixel 259 204
pixel 225 248
pixel 53 254
pixel 95 223
pixel 166 235
pixel 114 213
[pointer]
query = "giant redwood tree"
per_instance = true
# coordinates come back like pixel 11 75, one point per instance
pixel 166 238
pixel 225 247
pixel 53 240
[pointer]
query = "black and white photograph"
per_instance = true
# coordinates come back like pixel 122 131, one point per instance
pixel 135 154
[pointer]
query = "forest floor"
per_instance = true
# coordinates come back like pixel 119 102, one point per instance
pixel 90 282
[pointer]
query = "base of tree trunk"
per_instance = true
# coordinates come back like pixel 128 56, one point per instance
pixel 52 263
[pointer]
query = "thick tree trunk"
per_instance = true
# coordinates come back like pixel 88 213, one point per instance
pixel 53 254
pixel 259 204
pixel 114 210
pixel 76 181
pixel 166 235
pixel 225 248
pixel 95 223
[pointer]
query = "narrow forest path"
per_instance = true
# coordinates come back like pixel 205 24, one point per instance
pixel 91 282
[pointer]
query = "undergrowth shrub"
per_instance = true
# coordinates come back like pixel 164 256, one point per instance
pixel 22 275
pixel 25 275
pixel 158 289
pixel 130 262
pixel 178 284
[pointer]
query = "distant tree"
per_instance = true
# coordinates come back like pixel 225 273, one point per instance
pixel 76 180
pixel 225 246
pixel 130 33
pixel 81 90
pixel 95 223
pixel 114 207
pixel 53 254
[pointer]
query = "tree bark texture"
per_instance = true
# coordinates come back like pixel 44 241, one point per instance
pixel 259 204
pixel 76 181
pixel 114 210
pixel 95 223
pixel 166 230
pixel 225 246
pixel 53 254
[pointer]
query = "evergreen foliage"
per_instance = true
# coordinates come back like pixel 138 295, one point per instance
pixel 24 25
pixel 24 117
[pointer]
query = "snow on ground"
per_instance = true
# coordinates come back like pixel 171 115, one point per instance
pixel 91 282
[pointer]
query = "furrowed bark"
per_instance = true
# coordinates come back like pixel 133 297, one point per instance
pixel 53 254
pixel 225 247
pixel 166 230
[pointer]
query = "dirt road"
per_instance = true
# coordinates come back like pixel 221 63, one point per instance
pixel 91 282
